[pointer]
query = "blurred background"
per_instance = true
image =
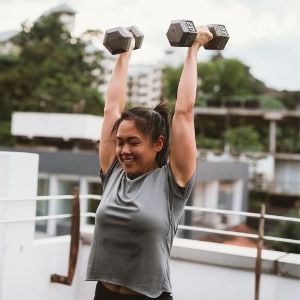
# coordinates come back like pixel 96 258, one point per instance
pixel 54 72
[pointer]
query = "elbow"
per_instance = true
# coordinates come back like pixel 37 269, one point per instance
pixel 187 110
pixel 112 110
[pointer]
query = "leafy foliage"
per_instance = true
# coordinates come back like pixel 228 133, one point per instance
pixel 50 72
pixel 288 139
pixel 223 78
pixel 219 78
pixel 270 103
pixel 288 230
pixel 243 138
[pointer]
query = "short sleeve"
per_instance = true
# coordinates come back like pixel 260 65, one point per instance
pixel 105 176
pixel 178 197
pixel 180 192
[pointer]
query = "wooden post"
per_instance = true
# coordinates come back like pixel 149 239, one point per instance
pixel 75 229
pixel 260 244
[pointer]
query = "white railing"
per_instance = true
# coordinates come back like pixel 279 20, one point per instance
pixel 75 229
pixel 183 227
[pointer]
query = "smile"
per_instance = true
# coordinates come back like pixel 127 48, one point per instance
pixel 127 160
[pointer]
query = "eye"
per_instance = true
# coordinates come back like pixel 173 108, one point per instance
pixel 134 143
pixel 119 143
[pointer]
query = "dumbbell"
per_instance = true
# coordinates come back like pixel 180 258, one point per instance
pixel 117 40
pixel 182 33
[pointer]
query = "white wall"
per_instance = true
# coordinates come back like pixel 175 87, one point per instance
pixel 18 179
pixel 56 125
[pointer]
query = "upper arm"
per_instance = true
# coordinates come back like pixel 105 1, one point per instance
pixel 183 147
pixel 107 146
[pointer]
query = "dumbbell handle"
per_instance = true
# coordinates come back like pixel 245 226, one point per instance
pixel 118 40
pixel 215 29
pixel 183 33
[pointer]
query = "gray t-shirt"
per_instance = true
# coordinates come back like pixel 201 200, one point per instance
pixel 135 225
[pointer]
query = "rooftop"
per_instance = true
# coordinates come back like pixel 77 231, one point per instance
pixel 56 125
pixel 199 270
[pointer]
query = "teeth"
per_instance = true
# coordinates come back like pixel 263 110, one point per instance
pixel 128 160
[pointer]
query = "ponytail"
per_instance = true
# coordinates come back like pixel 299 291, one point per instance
pixel 163 109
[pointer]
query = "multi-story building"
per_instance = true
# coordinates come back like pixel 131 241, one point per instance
pixel 272 173
pixel 144 85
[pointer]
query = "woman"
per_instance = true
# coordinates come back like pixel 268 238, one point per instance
pixel 146 184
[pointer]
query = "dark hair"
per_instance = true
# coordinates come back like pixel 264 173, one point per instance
pixel 152 122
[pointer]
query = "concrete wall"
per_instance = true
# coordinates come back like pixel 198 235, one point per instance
pixel 75 126
pixel 18 178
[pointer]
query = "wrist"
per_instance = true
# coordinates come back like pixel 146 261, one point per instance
pixel 193 50
pixel 124 57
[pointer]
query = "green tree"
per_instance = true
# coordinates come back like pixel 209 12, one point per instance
pixel 224 78
pixel 219 78
pixel 291 99
pixel 287 230
pixel 270 103
pixel 288 139
pixel 171 78
pixel 50 72
pixel 243 138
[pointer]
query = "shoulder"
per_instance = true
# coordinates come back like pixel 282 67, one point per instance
pixel 112 171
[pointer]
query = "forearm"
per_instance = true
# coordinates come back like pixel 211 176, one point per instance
pixel 116 91
pixel 187 88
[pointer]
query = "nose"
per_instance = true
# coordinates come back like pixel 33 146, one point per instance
pixel 125 149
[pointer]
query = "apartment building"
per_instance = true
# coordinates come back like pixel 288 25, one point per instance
pixel 272 172
pixel 144 85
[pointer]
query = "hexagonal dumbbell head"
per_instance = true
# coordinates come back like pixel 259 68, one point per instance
pixel 117 40
pixel 220 37
pixel 182 33
pixel 137 35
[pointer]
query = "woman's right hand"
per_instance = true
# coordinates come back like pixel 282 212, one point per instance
pixel 132 42
pixel 203 36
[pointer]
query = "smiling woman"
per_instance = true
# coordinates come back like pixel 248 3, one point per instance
pixel 146 183
pixel 142 137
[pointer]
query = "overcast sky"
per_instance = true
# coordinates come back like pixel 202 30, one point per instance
pixel 264 34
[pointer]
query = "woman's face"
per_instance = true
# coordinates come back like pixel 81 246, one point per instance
pixel 135 150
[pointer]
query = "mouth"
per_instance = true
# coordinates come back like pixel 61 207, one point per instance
pixel 127 161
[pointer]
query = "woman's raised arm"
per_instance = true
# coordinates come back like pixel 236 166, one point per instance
pixel 114 106
pixel 183 145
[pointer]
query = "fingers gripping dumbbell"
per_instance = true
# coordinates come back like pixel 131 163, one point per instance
pixel 117 40
pixel 182 33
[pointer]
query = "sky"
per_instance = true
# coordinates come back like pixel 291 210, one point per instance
pixel 264 34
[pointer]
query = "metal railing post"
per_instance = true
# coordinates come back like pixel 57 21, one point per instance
pixel 75 227
pixel 260 244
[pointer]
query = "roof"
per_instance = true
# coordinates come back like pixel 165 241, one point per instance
pixel 49 125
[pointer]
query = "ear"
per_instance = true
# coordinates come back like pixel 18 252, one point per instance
pixel 158 145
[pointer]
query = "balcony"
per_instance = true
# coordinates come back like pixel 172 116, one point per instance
pixel 199 270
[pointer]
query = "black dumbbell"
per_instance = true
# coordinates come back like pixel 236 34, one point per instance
pixel 182 33
pixel 117 40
